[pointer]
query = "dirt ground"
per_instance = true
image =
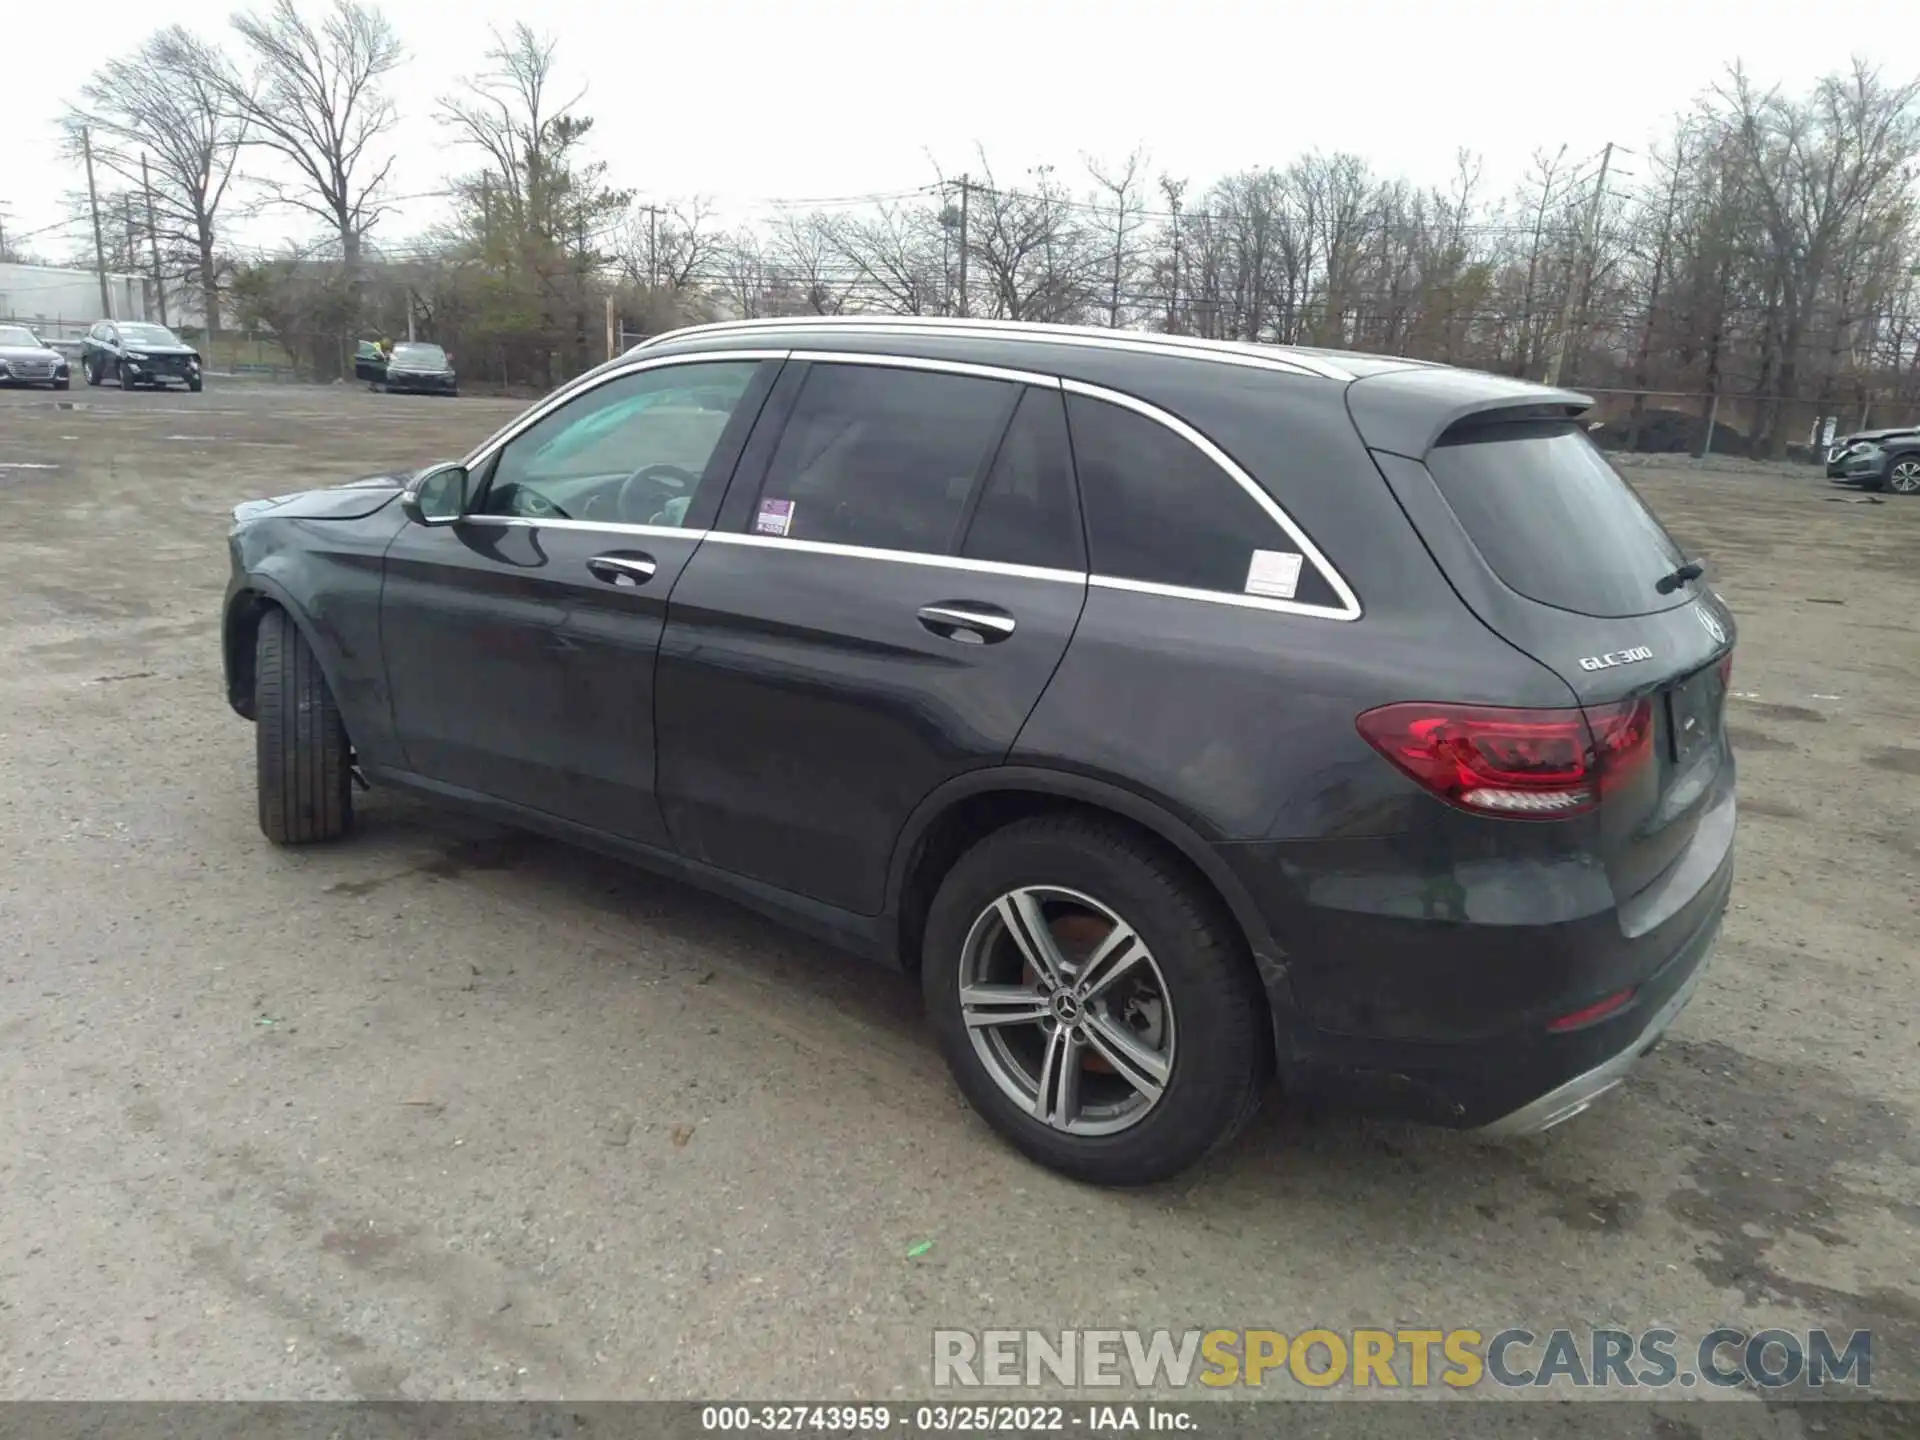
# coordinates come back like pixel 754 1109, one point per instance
pixel 446 1111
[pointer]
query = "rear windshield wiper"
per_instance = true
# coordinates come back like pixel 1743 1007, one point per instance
pixel 1667 584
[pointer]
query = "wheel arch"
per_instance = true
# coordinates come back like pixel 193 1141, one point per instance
pixel 246 606
pixel 971 806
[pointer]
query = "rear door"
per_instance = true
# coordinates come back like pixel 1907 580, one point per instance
pixel 893 581
pixel 1554 551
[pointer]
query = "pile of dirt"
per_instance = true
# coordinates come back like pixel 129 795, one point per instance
pixel 1668 432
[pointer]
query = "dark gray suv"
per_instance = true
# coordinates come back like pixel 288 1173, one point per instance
pixel 1180 712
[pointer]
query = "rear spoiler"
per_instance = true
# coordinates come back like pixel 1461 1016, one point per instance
pixel 1406 412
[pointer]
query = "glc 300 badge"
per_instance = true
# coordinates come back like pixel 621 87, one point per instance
pixel 1616 657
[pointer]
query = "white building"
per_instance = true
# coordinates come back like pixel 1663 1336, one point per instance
pixel 59 302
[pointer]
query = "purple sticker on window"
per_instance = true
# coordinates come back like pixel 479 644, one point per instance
pixel 775 517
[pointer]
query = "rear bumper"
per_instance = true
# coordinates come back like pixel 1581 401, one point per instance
pixel 1448 1017
pixel 1570 1098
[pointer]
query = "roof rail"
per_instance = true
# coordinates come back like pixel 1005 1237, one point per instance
pixel 1229 352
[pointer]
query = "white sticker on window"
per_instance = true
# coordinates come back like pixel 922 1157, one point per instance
pixel 1274 573
pixel 776 518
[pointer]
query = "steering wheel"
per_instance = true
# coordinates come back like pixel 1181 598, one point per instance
pixel 672 477
pixel 535 506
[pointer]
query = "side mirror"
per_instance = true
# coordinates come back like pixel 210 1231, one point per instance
pixel 436 496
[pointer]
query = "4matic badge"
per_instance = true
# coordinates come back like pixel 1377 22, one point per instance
pixel 1616 657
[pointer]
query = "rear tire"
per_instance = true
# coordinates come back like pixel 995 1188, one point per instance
pixel 304 764
pixel 1194 1007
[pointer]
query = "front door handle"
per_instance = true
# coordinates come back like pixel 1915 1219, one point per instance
pixel 967 622
pixel 622 570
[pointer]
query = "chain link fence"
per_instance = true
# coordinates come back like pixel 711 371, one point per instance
pixel 1679 422
pixel 226 352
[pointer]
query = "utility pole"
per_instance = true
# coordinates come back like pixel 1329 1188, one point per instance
pixel 653 244
pixel 613 337
pixel 966 188
pixel 153 239
pixel 1587 244
pixel 99 245
pixel 1173 191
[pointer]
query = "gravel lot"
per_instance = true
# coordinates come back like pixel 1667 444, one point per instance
pixel 451 1111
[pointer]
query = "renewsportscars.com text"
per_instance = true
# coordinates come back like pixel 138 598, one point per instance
pixel 1366 1359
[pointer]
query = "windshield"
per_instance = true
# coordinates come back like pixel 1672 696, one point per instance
pixel 1555 520
pixel 148 335
pixel 19 335
pixel 420 354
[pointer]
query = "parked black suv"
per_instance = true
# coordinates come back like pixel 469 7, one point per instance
pixel 421 368
pixel 1878 460
pixel 1179 711
pixel 136 353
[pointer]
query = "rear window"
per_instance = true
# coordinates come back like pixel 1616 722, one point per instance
pixel 1555 520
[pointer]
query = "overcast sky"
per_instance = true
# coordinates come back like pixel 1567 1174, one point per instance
pixel 752 100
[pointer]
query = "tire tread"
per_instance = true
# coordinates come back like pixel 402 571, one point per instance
pixel 304 770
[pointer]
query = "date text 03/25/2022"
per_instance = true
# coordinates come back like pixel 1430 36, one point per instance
pixel 964 1419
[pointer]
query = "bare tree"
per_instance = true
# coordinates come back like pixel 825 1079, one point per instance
pixel 1810 172
pixel 673 247
pixel 1029 248
pixel 806 258
pixel 158 119
pixel 315 99
pixel 1121 204
pixel 538 207
pixel 895 256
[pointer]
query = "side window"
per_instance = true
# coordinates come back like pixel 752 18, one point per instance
pixel 879 457
pixel 1162 511
pixel 632 451
pixel 1026 514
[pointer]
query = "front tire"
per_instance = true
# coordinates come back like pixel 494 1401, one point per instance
pixel 194 386
pixel 1143 1050
pixel 91 368
pixel 304 764
pixel 126 380
pixel 60 384
pixel 1903 476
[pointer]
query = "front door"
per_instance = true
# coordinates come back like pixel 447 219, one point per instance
pixel 897 572
pixel 520 643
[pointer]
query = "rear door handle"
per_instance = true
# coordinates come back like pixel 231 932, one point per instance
pixel 967 622
pixel 622 570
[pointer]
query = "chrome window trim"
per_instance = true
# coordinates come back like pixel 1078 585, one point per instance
pixel 1223 352
pixel 919 362
pixel 593 380
pixel 604 527
pixel 901 557
pixel 1349 606
pixel 1217 597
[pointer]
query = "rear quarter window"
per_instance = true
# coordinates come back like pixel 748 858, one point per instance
pixel 1554 520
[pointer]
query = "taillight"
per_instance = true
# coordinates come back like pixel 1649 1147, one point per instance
pixel 1527 764
pixel 1726 672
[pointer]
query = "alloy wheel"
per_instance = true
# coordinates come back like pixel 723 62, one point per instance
pixel 1067 1010
pixel 1905 477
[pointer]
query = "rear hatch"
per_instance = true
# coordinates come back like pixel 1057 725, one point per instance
pixel 1557 554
